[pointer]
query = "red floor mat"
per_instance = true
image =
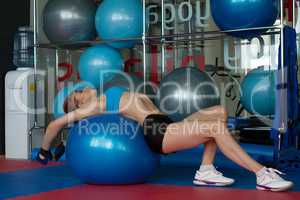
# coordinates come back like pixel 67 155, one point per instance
pixel 158 192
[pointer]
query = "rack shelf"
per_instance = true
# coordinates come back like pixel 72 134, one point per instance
pixel 163 39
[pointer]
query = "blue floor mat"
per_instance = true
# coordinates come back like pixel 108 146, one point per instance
pixel 36 181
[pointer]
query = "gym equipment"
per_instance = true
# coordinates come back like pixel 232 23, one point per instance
pixel 67 21
pixel 119 19
pixel 109 149
pixel 61 96
pixel 232 14
pixel 130 82
pixel 98 64
pixel 258 91
pixel 185 91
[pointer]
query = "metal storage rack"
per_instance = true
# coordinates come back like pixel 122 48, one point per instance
pixel 164 39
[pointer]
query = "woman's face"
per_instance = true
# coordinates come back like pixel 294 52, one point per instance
pixel 78 98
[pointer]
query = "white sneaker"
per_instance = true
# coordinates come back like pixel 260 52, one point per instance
pixel 211 177
pixel 270 180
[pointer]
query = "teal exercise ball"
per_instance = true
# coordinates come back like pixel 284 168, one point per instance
pixel 110 149
pixel 242 14
pixel 120 19
pixel 258 92
pixel 99 64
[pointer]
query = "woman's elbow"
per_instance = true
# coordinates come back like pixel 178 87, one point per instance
pixel 53 127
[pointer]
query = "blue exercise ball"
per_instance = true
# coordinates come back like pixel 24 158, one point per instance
pixel 110 149
pixel 66 21
pixel 241 14
pixel 62 95
pixel 99 63
pixel 258 91
pixel 119 19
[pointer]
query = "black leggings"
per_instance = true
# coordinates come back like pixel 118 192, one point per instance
pixel 155 127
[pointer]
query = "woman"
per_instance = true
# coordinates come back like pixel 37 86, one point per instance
pixel 164 136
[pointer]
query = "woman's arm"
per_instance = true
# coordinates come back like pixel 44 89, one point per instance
pixel 92 107
pixel 55 126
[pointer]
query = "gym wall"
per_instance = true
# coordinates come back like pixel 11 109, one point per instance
pixel 12 15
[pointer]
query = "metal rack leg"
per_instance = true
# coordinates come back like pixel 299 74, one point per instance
pixel 283 96
pixel 30 142
pixel 294 25
pixel 144 47
pixel 35 72
pixel 163 68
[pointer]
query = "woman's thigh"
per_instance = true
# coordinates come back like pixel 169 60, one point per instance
pixel 187 135
pixel 209 114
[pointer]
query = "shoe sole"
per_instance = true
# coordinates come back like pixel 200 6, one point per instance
pixel 202 183
pixel 275 189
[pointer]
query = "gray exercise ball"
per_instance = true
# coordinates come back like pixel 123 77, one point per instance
pixel 66 21
pixel 131 82
pixel 185 91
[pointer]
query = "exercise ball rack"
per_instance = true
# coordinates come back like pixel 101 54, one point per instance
pixel 164 39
